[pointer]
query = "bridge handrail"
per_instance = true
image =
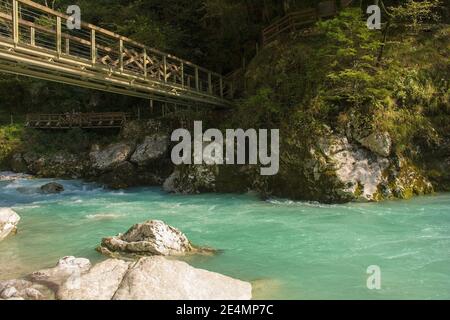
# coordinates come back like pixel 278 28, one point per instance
pixel 72 120
pixel 294 19
pixel 101 48
pixel 112 34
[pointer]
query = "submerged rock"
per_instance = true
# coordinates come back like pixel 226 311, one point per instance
pixel 8 222
pixel 158 278
pixel 153 237
pixel 52 188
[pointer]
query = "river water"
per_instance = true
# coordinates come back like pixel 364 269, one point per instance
pixel 290 250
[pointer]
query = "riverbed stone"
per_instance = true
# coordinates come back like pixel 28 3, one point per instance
pixel 52 188
pixel 8 222
pixel 158 278
pixel 152 237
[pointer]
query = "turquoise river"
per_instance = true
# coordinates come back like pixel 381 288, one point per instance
pixel 290 250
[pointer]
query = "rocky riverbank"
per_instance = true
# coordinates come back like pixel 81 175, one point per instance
pixel 357 165
pixel 140 273
pixel 149 278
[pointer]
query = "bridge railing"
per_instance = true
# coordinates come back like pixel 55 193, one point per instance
pixel 28 23
pixel 299 19
pixel 76 120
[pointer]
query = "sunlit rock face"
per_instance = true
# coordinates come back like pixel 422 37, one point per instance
pixel 149 238
pixel 149 278
pixel 8 222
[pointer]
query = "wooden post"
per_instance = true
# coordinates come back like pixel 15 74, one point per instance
pixel 182 74
pixel 93 48
pixel 58 36
pixel 67 46
pixel 15 21
pixel 32 36
pixel 210 88
pixel 221 86
pixel 121 55
pixel 145 63
pixel 165 68
pixel 197 83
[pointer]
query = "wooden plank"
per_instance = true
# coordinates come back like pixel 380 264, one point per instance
pixel 32 36
pixel 93 48
pixel 15 21
pixel 58 35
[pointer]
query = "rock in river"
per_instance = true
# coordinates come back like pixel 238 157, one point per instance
pixel 153 237
pixel 8 222
pixel 52 187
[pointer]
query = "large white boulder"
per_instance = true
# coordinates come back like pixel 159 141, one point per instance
pixel 8 222
pixel 152 237
pixel 99 283
pixel 158 278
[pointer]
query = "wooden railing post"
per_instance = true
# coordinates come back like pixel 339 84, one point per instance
pixel 145 63
pixel 182 74
pixel 58 36
pixel 221 86
pixel 165 68
pixel 93 48
pixel 210 88
pixel 67 46
pixel 121 55
pixel 15 21
pixel 32 36
pixel 197 82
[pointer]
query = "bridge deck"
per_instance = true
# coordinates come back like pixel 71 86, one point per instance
pixel 36 41
pixel 76 120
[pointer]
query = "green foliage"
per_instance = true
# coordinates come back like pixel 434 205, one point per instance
pixel 72 141
pixel 353 50
pixel 413 14
pixel 10 138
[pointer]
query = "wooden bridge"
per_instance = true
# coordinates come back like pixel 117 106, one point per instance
pixel 36 42
pixel 294 21
pixel 77 120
